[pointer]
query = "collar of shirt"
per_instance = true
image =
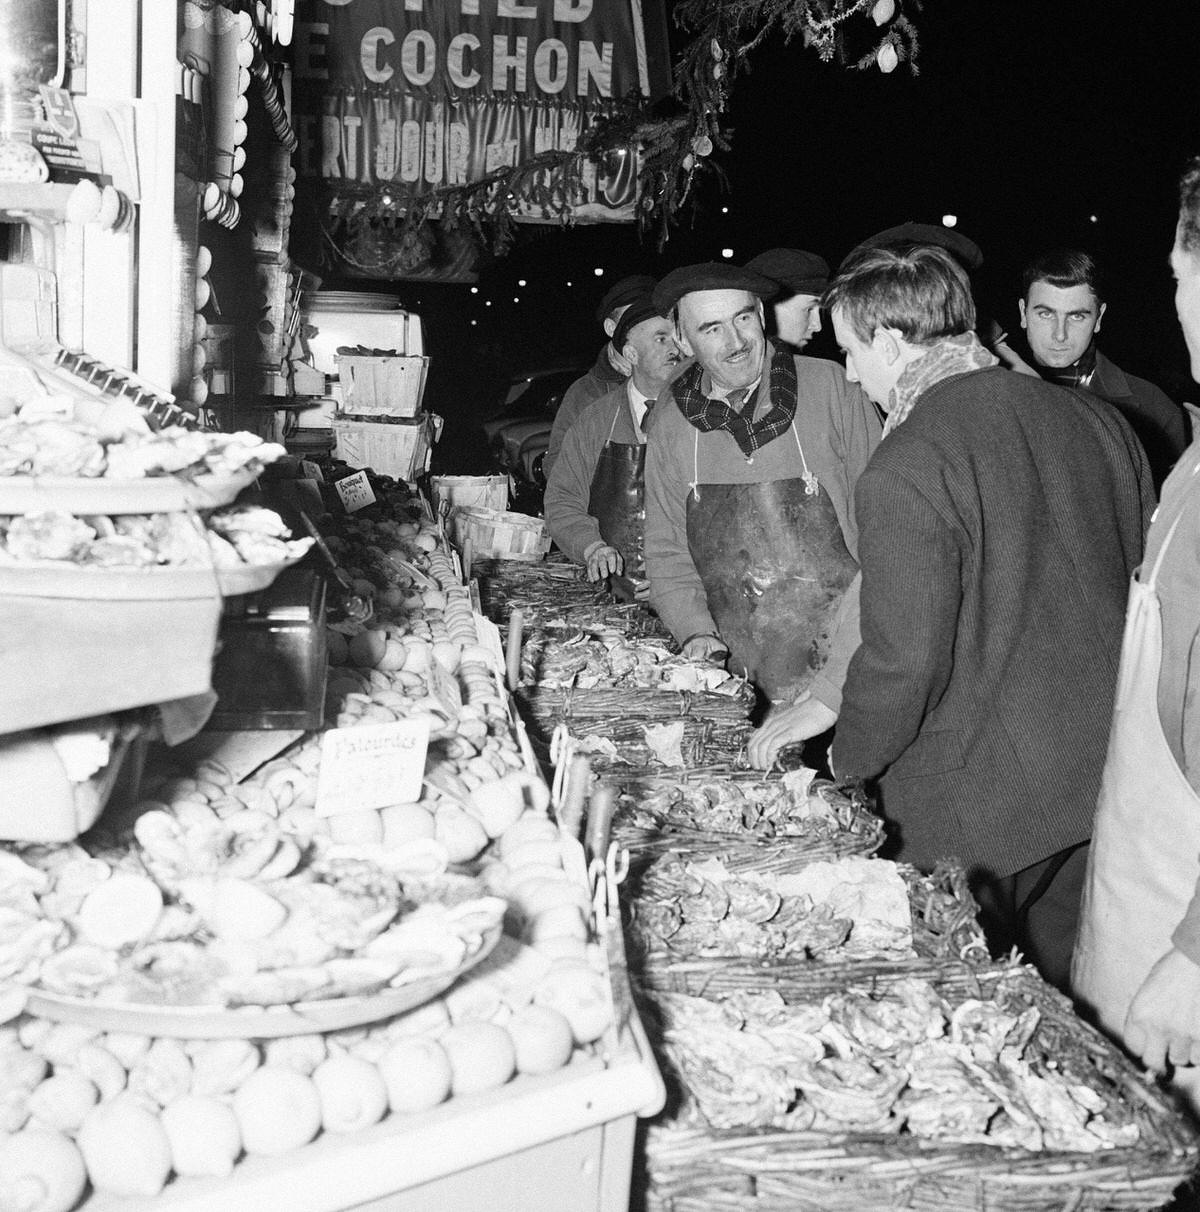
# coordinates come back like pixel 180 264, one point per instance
pixel 706 386
pixel 638 403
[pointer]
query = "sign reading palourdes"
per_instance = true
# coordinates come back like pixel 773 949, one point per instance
pixel 423 94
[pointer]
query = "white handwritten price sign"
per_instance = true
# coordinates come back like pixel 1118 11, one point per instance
pixel 371 766
pixel 355 491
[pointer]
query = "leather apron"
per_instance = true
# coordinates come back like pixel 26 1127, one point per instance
pixel 1145 856
pixel 774 566
pixel 617 499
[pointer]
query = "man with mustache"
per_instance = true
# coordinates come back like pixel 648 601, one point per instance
pixel 752 460
pixel 595 499
pixel 608 371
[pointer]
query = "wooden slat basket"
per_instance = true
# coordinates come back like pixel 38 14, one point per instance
pixel 695 1168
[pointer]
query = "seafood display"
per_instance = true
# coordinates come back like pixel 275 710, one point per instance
pixel 904 1060
pixel 226 539
pixel 796 806
pixel 853 908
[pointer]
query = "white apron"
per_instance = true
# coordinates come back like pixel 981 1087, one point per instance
pixel 1145 856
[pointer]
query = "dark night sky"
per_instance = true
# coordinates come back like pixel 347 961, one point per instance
pixel 1024 120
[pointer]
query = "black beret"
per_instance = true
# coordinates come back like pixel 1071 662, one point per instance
pixel 622 294
pixel 635 313
pixel 797 271
pixel 962 248
pixel 710 275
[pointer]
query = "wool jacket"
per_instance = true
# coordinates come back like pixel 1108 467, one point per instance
pixel 838 428
pixel 998 529
pixel 1158 421
pixel 569 491
pixel 598 381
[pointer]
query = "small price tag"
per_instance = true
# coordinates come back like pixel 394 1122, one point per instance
pixel 355 491
pixel 312 471
pixel 371 766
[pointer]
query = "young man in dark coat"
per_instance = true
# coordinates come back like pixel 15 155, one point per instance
pixel 1062 305
pixel 999 522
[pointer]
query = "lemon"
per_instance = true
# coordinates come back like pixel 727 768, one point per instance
pixel 40 1170
pixel 416 1075
pixel 542 1039
pixel 481 1056
pixel 352 1093
pixel 457 830
pixel 277 1110
pixel 405 823
pixel 125 1148
pixel 359 827
pixel 580 994
pixel 204 1136
pixel 557 921
pixel 530 827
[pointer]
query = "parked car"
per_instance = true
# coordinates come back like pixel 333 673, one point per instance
pixel 518 432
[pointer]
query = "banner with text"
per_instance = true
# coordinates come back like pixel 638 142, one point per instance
pixel 421 94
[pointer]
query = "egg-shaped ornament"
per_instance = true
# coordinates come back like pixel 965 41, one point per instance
pixel 883 11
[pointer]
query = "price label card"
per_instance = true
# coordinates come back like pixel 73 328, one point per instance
pixel 355 491
pixel 312 471
pixel 371 766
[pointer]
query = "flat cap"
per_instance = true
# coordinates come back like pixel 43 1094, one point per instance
pixel 710 275
pixel 622 293
pixel 962 248
pixel 637 311
pixel 796 271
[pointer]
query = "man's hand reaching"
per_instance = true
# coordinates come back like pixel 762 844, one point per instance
pixel 787 723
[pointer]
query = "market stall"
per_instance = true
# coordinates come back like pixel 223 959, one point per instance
pixel 833 1030
pixel 288 921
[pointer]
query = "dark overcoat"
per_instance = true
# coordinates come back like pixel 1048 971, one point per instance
pixel 998 529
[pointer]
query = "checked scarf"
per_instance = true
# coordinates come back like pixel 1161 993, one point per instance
pixel 707 413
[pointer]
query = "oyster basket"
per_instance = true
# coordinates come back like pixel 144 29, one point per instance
pixel 854 827
pixel 705 742
pixel 613 705
pixel 693 1168
pixel 945 928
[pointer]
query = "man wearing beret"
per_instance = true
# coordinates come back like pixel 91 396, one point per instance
pixel 609 370
pixel 595 499
pixel 796 310
pixel 751 465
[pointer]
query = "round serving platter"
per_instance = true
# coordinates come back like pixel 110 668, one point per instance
pixel 99 494
pixel 255 1022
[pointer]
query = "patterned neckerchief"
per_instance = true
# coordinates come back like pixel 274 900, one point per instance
pixel 949 356
pixel 707 413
